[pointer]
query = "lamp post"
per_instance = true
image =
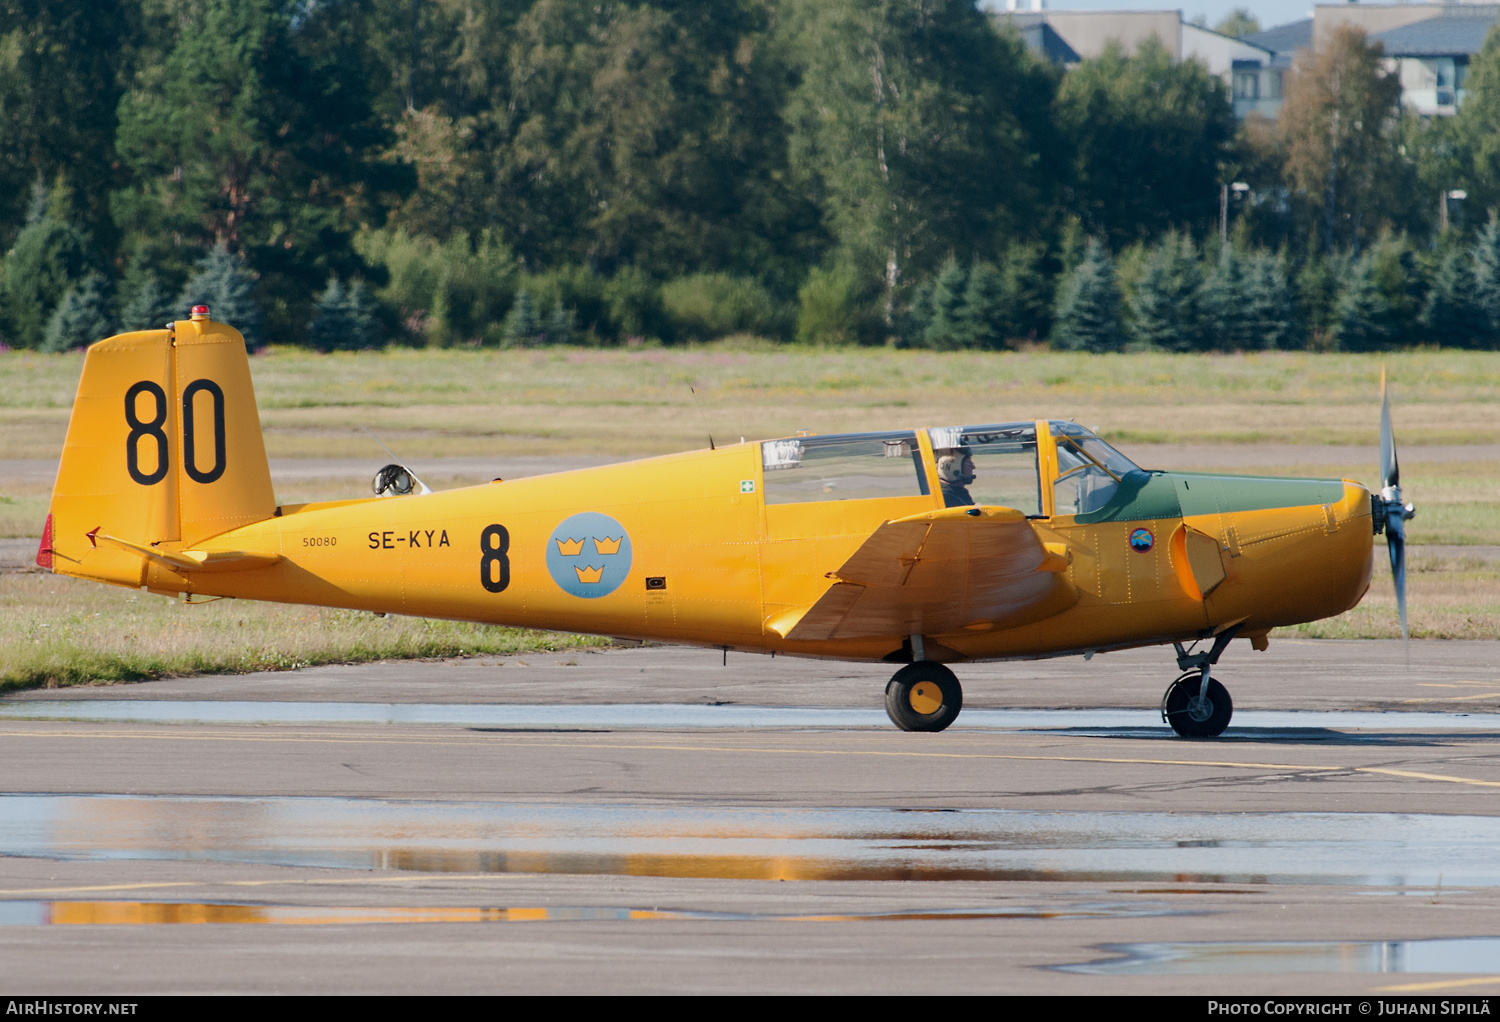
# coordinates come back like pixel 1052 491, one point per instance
pixel 1456 195
pixel 1240 189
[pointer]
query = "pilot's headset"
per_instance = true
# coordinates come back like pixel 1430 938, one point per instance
pixel 950 466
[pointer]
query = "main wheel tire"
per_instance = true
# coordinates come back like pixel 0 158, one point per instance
pixel 1177 703
pixel 924 696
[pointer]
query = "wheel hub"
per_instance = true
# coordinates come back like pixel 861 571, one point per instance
pixel 926 698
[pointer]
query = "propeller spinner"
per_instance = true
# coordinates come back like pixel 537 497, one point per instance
pixel 1389 513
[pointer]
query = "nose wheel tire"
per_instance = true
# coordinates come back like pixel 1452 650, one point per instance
pixel 924 696
pixel 1190 718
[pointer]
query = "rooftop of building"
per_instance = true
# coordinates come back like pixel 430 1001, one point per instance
pixel 1295 35
pixel 1445 36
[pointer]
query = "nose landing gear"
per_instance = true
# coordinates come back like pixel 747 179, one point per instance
pixel 1192 715
pixel 1196 705
pixel 923 696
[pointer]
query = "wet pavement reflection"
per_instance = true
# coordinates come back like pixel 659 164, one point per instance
pixel 153 913
pixel 1261 724
pixel 1467 954
pixel 1373 849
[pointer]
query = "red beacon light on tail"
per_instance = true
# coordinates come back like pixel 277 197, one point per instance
pixel 200 312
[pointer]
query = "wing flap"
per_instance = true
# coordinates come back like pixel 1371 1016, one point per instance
pixel 938 573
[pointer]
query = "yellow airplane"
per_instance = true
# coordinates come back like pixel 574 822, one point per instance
pixel 920 547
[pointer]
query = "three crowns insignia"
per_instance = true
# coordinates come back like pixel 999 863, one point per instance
pixel 574 547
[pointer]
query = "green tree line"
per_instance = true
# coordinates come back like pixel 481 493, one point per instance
pixel 353 173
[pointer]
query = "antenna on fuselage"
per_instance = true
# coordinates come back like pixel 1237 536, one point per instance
pixel 390 478
pixel 702 417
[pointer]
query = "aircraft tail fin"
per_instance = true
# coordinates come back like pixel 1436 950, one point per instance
pixel 164 447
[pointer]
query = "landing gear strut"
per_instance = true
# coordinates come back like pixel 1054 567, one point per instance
pixel 923 696
pixel 1196 705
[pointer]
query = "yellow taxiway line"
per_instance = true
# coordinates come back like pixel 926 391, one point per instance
pixel 1442 984
pixel 309 882
pixel 755 750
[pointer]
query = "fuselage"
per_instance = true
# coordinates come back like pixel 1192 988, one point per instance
pixel 692 547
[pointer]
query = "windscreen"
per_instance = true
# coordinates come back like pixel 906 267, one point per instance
pixel 1088 470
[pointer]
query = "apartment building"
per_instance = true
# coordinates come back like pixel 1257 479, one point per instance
pixel 1428 44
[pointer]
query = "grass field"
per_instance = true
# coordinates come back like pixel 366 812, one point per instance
pixel 56 631
pixel 1447 597
pixel 570 402
pixel 427 403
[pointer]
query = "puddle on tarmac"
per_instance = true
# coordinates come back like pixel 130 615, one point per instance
pixel 1369 849
pixel 1466 954
pixel 151 913
pixel 1125 723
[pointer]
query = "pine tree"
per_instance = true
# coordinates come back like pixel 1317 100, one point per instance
pixel 984 316
pixel 1029 287
pixel 1486 255
pixel 1318 286
pixel 1270 315
pixel 225 286
pixel 81 318
pixel 1164 303
pixel 1226 323
pixel 49 255
pixel 944 329
pixel 345 319
pixel 148 305
pixel 1365 319
pixel 1089 305
pixel 912 326
pixel 562 326
pixel 521 324
pixel 1452 316
pixel 1402 280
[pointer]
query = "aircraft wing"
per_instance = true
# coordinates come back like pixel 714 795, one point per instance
pixel 937 573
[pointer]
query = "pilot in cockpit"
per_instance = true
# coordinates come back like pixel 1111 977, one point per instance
pixel 955 473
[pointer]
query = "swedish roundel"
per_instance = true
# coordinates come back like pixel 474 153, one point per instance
pixel 1142 540
pixel 588 555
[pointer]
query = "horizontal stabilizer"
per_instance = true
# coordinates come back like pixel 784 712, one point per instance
pixel 189 560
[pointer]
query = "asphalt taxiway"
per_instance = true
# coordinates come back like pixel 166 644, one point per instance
pixel 630 840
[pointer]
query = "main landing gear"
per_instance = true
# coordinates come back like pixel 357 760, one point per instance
pixel 926 696
pixel 923 696
pixel 1196 705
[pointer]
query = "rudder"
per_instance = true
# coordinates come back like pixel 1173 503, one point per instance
pixel 164 448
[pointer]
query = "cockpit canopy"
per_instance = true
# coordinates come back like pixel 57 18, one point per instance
pixel 993 465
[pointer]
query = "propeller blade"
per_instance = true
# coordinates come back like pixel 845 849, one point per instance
pixel 1393 514
pixel 1395 539
pixel 1390 471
